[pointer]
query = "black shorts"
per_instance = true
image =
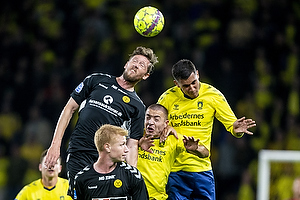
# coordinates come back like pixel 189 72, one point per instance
pixel 75 163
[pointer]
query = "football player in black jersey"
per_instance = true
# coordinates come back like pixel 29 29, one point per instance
pixel 110 177
pixel 103 99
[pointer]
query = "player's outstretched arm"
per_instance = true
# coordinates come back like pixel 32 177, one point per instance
pixel 241 126
pixel 169 130
pixel 132 155
pixel 193 147
pixel 63 121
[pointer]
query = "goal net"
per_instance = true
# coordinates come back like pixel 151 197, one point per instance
pixel 276 171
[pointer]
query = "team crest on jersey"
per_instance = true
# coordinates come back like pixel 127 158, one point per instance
pixel 79 87
pixel 200 105
pixel 108 99
pixel 176 107
pixel 117 183
pixel 126 99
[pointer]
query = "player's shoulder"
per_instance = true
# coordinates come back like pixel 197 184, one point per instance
pixel 99 76
pixel 131 170
pixel 170 93
pixel 35 183
pixel 81 173
pixel 175 140
pixel 32 186
pixel 172 137
pixel 63 180
pixel 208 88
pixel 29 189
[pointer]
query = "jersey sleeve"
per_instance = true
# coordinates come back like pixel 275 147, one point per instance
pixel 163 99
pixel 22 195
pixel 81 92
pixel 224 112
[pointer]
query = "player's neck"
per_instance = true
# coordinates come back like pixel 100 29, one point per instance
pixel 104 167
pixel 49 182
pixel 125 84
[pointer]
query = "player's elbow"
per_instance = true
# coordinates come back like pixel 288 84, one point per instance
pixel 204 152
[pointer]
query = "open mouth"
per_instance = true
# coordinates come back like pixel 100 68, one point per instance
pixel 133 70
pixel 150 129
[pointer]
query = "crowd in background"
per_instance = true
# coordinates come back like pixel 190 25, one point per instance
pixel 248 49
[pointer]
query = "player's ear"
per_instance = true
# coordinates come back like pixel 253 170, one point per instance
pixel 59 169
pixel 146 76
pixel 107 147
pixel 166 123
pixel 176 83
pixel 40 167
pixel 126 65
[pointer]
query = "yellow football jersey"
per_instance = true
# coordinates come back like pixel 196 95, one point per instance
pixel 195 117
pixel 156 167
pixel 36 191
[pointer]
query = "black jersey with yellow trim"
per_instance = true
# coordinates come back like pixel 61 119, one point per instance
pixel 103 101
pixel 124 182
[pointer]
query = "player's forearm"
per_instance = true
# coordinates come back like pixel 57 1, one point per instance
pixel 60 129
pixel 63 122
pixel 201 151
pixel 132 155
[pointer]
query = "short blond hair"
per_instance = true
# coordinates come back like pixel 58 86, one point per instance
pixel 106 133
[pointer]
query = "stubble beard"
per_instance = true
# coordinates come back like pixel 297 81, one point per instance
pixel 131 79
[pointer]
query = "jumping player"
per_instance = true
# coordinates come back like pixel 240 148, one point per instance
pixel 192 107
pixel 103 99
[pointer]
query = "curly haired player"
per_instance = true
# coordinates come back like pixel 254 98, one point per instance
pixel 103 99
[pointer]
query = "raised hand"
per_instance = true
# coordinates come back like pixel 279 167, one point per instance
pixel 169 130
pixel 193 147
pixel 146 142
pixel 51 157
pixel 242 125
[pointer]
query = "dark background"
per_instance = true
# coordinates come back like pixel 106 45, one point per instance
pixel 248 49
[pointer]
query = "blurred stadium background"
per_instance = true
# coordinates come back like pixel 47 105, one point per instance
pixel 249 49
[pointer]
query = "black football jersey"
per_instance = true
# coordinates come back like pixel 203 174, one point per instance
pixel 103 101
pixel 123 183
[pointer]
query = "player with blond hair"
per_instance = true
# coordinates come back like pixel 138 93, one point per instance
pixel 110 177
